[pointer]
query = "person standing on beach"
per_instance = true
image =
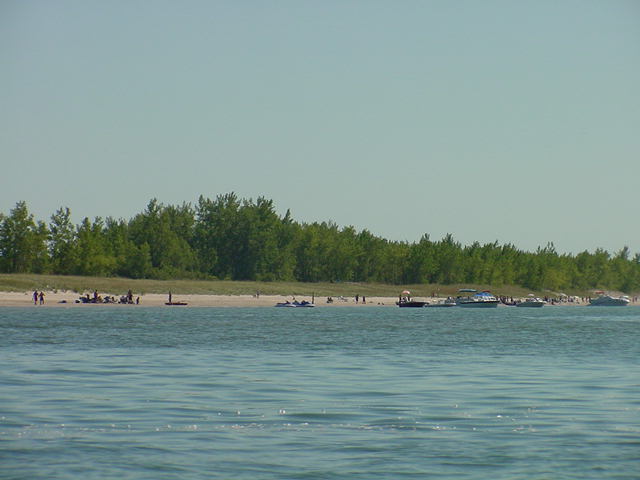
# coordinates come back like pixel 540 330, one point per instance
pixel 41 298
pixel 35 297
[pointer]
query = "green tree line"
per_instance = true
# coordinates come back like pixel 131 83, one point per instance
pixel 242 239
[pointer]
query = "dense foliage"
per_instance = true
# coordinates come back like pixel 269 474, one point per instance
pixel 239 239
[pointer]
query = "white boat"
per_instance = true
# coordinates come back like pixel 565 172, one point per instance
pixel 531 301
pixel 449 302
pixel 478 300
pixel 609 301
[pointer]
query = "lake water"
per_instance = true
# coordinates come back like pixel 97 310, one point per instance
pixel 325 393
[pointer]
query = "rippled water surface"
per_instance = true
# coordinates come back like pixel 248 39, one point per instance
pixel 325 393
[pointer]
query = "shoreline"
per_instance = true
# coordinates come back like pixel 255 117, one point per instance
pixel 68 300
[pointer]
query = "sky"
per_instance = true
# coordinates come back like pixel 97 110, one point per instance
pixel 494 120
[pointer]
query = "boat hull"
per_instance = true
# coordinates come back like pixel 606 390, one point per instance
pixel 531 304
pixel 411 304
pixel 479 300
pixel 479 304
pixel 295 305
pixel 609 302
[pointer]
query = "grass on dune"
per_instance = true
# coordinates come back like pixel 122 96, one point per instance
pixel 118 285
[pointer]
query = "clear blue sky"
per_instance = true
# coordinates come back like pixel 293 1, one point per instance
pixel 490 120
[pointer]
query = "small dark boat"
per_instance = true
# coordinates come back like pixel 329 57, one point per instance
pixel 411 303
pixel 171 303
pixel 405 301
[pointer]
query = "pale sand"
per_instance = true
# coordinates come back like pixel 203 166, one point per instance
pixel 68 299
pixel 56 299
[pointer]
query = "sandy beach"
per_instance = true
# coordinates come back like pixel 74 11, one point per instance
pixel 68 299
pixel 71 300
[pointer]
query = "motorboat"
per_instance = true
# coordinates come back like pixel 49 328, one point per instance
pixel 449 302
pixel 532 302
pixel 295 304
pixel 406 301
pixel 609 301
pixel 411 303
pixel 477 300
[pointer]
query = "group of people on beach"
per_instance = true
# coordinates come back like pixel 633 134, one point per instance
pixel 358 299
pixel 38 297
pixel 126 299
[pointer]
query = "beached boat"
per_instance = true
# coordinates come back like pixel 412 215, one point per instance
pixel 411 303
pixel 171 303
pixel 405 301
pixel 449 302
pixel 295 304
pixel 531 301
pixel 609 301
pixel 477 300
